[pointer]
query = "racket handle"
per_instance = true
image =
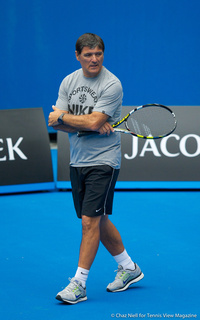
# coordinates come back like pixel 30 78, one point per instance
pixel 86 133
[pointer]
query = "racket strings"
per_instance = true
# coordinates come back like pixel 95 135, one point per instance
pixel 151 121
pixel 141 129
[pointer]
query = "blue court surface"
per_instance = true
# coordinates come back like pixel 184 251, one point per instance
pixel 40 238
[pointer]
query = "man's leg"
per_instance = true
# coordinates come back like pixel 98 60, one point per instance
pixel 110 236
pixel 128 272
pixel 90 241
pixel 111 239
pixel 76 291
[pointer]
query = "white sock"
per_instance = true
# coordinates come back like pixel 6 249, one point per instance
pixel 82 275
pixel 124 260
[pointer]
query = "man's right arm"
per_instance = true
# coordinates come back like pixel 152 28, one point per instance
pixel 95 121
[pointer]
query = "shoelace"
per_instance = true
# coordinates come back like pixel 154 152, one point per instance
pixel 119 271
pixel 73 285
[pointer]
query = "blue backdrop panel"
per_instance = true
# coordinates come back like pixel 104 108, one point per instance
pixel 152 46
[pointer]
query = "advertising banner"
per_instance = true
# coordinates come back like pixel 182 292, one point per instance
pixel 25 157
pixel 169 162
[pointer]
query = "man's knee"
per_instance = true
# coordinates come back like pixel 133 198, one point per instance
pixel 90 223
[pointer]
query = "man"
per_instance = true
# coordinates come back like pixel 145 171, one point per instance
pixel 90 99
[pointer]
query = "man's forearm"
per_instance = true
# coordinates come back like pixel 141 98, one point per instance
pixel 88 122
pixel 93 121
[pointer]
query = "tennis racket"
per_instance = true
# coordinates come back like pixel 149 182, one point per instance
pixel 150 121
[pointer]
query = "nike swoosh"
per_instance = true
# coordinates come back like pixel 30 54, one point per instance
pixel 98 210
pixel 124 281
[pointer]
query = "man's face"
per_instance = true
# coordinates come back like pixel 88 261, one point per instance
pixel 91 61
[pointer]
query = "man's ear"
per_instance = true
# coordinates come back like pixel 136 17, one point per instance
pixel 77 55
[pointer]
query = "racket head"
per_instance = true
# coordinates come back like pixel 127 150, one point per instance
pixel 150 121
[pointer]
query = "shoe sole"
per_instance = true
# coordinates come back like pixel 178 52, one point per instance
pixel 140 277
pixel 58 297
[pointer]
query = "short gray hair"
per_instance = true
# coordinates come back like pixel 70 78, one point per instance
pixel 90 40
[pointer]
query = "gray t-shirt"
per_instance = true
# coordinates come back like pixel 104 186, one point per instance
pixel 80 95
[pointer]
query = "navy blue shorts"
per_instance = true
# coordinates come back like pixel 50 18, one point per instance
pixel 93 189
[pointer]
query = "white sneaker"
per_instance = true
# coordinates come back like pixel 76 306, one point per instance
pixel 125 278
pixel 73 293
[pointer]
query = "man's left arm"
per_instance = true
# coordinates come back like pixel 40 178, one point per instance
pixel 96 121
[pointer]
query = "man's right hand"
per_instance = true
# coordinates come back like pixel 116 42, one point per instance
pixel 106 129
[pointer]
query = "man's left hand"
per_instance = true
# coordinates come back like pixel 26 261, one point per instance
pixel 53 116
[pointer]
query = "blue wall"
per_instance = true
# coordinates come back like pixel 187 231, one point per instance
pixel 151 45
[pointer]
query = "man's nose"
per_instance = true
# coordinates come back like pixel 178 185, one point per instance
pixel 94 58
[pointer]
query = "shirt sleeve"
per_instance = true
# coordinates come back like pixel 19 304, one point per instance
pixel 110 99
